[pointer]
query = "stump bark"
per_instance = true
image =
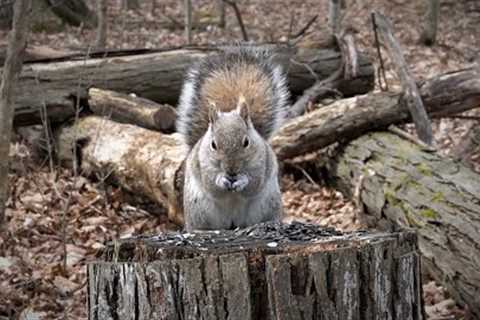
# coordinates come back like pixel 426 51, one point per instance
pixel 405 187
pixel 269 271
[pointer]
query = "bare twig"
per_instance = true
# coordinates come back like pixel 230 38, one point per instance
pixel 66 206
pixel 234 5
pixel 11 70
pixel 411 94
pixel 302 31
pixel 319 89
pixel 290 27
pixel 381 69
pixel 404 134
pixel 188 20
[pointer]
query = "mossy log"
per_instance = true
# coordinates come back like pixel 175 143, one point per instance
pixel 269 271
pixel 153 74
pixel 407 187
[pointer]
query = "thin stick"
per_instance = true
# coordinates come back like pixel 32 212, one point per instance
pixel 411 94
pixel 302 31
pixel 188 20
pixel 404 134
pixel 233 4
pixel 380 58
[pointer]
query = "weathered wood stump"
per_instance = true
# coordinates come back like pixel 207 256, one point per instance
pixel 269 271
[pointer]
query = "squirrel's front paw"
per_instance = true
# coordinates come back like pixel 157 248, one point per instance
pixel 232 183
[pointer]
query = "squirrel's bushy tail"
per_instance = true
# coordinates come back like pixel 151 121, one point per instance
pixel 220 79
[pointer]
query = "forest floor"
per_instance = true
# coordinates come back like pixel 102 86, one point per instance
pixel 58 221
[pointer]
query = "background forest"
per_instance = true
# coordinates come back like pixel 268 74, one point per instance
pixel 58 220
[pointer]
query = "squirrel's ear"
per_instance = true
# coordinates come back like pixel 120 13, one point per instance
pixel 212 113
pixel 242 108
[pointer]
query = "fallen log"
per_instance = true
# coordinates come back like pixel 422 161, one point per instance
pixel 125 108
pixel 155 75
pixel 405 187
pixel 346 119
pixel 140 160
pixel 269 271
pixel 149 163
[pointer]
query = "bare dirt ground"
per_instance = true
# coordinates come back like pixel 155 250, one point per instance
pixel 57 221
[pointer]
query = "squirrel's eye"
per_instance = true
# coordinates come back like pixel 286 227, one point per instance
pixel 213 145
pixel 246 142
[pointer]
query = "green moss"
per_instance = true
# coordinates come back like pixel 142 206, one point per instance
pixel 429 214
pixel 438 197
pixel 412 221
pixel 424 169
pixel 390 198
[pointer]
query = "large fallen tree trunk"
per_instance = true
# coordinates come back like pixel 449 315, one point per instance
pixel 149 163
pixel 269 271
pixel 349 118
pixel 406 187
pixel 155 75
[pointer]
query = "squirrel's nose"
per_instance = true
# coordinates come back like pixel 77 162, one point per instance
pixel 231 177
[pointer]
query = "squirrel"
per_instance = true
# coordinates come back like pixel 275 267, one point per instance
pixel 230 105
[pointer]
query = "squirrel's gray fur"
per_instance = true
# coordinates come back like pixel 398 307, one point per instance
pixel 231 104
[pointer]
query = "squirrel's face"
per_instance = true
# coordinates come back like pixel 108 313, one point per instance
pixel 233 149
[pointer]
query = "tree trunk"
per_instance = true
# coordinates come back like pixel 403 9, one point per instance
pixel 222 22
pixel 429 36
pixel 13 65
pixel 155 75
pixel 269 271
pixel 129 109
pixel 101 39
pixel 187 4
pixel 6 13
pixel 334 14
pixel 406 187
pixel 131 4
pixel 74 12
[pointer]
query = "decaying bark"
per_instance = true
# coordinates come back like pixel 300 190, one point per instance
pixel 406 187
pixel 155 75
pixel 349 118
pixel 125 108
pixel 268 271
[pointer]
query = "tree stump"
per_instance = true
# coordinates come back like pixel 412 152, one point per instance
pixel 268 271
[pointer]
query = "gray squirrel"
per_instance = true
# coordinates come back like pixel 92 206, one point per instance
pixel 231 104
